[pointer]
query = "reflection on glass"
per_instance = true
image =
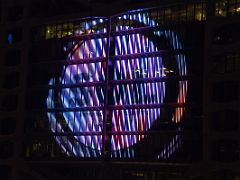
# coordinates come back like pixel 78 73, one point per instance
pixel 225 8
pixel 190 12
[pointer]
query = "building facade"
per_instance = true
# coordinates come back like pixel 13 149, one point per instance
pixel 120 90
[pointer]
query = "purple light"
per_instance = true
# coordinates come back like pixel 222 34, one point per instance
pixel 123 120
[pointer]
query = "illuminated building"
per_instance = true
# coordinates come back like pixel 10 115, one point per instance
pixel 142 91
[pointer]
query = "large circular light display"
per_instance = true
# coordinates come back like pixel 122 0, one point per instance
pixel 84 90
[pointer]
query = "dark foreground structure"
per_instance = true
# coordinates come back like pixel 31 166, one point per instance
pixel 125 89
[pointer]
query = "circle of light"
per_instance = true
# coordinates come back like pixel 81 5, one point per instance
pixel 123 120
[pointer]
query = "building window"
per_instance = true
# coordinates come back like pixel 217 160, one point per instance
pixel 226 34
pixel 226 63
pixel 14 36
pixel 221 8
pixel 191 12
pixel 225 174
pixel 9 103
pixel 200 11
pixel 13 57
pixel 47 51
pixel 227 7
pixel 37 34
pixel 36 124
pixel 15 13
pixel 226 120
pixel 42 149
pixel 59 30
pixel 225 150
pixel 7 126
pixel 39 76
pixel 11 80
pixel 6 149
pixel 225 91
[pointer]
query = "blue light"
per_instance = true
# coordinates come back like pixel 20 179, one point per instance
pixel 10 38
pixel 129 120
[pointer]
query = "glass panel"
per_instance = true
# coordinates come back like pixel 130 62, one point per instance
pixel 13 36
pixel 7 149
pixel 11 80
pixel 226 63
pixel 183 13
pixel 225 150
pixel 67 29
pixel 168 14
pixel 13 57
pixel 190 12
pixel 225 91
pixel 15 13
pixel 221 8
pixel 238 6
pixel 199 15
pixel 225 120
pixel 50 32
pixel 7 126
pixel 232 7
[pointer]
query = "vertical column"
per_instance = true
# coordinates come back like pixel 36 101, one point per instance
pixel 19 138
pixel 10 24
pixel 106 112
pixel 206 85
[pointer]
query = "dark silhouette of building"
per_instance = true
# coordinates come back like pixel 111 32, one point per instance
pixel 125 89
